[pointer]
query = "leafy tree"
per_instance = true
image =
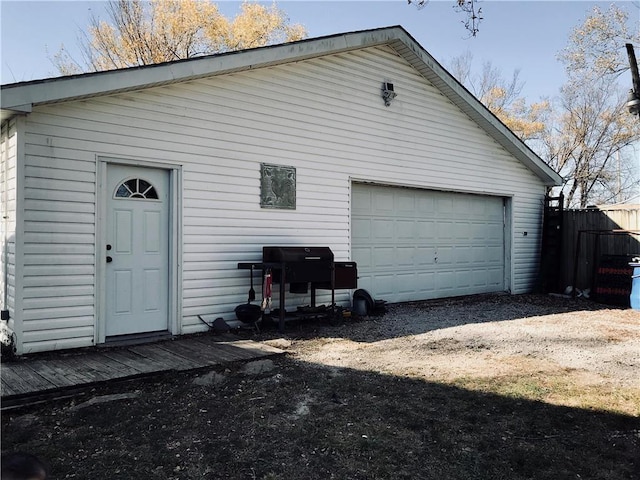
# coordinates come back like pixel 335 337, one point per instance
pixel 144 33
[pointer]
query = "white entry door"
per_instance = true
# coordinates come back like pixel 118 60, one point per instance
pixel 137 250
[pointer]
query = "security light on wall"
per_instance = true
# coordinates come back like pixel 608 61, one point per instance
pixel 388 93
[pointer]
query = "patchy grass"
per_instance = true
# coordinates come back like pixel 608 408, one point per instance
pixel 440 391
pixel 302 421
pixel 564 388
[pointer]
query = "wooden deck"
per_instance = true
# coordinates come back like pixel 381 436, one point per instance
pixel 39 377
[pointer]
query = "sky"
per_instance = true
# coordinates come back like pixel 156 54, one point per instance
pixel 514 35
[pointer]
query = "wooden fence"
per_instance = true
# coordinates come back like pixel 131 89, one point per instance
pixel 606 236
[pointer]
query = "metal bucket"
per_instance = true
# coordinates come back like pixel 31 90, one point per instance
pixel 360 306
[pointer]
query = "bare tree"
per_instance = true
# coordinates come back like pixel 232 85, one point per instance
pixel 586 133
pixel 144 33
pixel 472 12
pixel 585 139
pixel 596 47
pixel 588 138
pixel 501 95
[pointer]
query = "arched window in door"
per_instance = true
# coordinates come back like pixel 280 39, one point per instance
pixel 136 188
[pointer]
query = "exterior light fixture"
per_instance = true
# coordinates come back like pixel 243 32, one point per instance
pixel 388 93
pixel 633 103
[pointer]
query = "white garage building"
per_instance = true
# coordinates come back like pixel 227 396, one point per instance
pixel 129 197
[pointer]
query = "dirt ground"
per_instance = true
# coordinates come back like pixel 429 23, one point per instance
pixel 485 387
pixel 493 337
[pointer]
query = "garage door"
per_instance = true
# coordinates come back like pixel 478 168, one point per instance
pixel 415 244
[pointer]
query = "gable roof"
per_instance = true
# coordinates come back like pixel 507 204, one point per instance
pixel 20 98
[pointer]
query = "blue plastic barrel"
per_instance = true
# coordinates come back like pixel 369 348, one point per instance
pixel 635 286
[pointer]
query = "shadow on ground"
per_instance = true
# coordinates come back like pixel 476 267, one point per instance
pixel 414 318
pixel 293 420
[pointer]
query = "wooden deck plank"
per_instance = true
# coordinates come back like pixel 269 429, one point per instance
pixel 134 361
pixel 6 388
pixel 193 351
pixel 231 353
pixel 95 367
pixel 169 360
pixel 247 348
pixel 9 376
pixel 34 377
pixel 58 372
pixel 72 369
pixel 255 347
pixel 24 379
pixel 244 344
pixel 224 351
pixel 206 349
pixel 109 365
pixel 83 366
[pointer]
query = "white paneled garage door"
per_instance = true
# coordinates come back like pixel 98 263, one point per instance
pixel 413 244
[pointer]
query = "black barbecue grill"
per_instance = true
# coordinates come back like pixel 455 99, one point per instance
pixel 301 267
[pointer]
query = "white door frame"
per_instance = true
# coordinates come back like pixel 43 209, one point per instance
pixel 508 243
pixel 174 303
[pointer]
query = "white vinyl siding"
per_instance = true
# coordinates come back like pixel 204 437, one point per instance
pixel 58 273
pixel 323 116
pixel 8 155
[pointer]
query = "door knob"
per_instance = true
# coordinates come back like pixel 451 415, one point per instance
pixel 109 259
pixel 108 247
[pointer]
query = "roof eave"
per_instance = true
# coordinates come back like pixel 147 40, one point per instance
pixel 429 67
pixel 19 98
pixel 9 113
pixel 76 87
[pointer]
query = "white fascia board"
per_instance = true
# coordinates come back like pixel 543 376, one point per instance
pixel 420 59
pixel 18 98
pixel 6 114
pixel 76 87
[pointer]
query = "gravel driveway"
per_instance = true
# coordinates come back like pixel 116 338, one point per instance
pixel 471 388
pixel 490 337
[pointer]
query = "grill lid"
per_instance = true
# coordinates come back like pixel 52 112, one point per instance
pixel 296 254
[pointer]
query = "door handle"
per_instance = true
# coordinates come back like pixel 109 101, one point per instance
pixel 109 259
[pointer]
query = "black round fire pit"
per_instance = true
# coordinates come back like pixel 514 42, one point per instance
pixel 248 313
